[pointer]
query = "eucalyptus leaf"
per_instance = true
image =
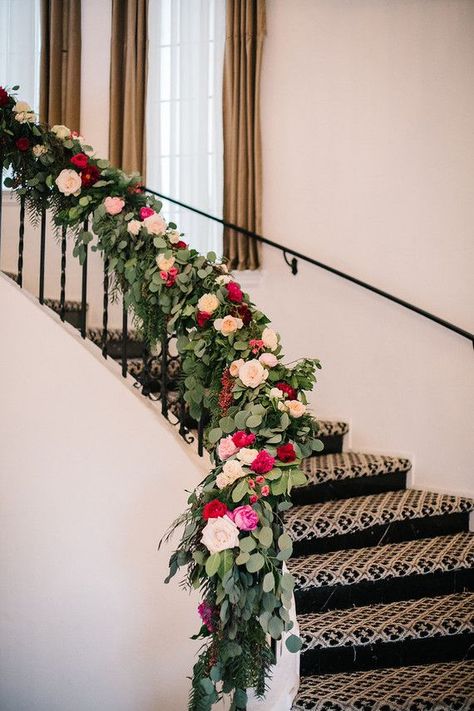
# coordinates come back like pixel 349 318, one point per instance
pixel 255 563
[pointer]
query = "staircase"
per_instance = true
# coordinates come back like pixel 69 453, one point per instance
pixel 384 587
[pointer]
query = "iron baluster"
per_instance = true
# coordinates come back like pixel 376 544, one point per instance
pixel 124 337
pixel 21 240
pixel 42 253
pixel 105 313
pixel 84 286
pixel 164 375
pixel 62 299
pixel 201 435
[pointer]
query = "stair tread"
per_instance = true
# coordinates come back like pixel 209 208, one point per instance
pixel 438 687
pixel 332 428
pixel 349 465
pixel 340 517
pixel 393 622
pixel 395 560
pixel 113 335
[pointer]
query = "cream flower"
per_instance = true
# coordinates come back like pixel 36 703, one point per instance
pixel 134 227
pixel 164 263
pixel 235 367
pixel 268 359
pixel 39 150
pixel 223 279
pixel 295 408
pixel 155 224
pixel 231 471
pixel 61 132
pixel 276 393
pixel 228 325
pixel 69 182
pixel 22 107
pixel 219 534
pixel 252 373
pixel 247 455
pixel 208 303
pixel 282 406
pixel 270 338
pixel 174 236
pixel 25 117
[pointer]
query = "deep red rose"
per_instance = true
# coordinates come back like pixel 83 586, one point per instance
pixel 202 317
pixel 80 160
pixel 262 463
pixel 181 244
pixel 4 97
pixel 244 313
pixel 22 144
pixel 234 292
pixel 242 439
pixel 286 453
pixel 214 509
pixel 89 176
pixel 287 389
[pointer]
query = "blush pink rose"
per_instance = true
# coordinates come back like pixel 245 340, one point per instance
pixel 113 205
pixel 226 448
pixel 269 360
pixel 245 518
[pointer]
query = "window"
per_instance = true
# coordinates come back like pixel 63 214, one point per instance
pixel 20 48
pixel 184 112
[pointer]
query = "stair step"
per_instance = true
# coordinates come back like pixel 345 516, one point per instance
pixel 435 687
pixel 417 568
pixel 72 310
pixel 349 474
pixel 332 434
pixel 368 520
pixel 393 634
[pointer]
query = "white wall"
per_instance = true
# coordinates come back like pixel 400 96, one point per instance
pixel 368 144
pixel 91 476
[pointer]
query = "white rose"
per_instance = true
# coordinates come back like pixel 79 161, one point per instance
pixel 295 408
pixel 228 325
pixel 69 182
pixel 223 279
pixel 219 534
pixel 235 367
pixel 252 373
pixel 61 132
pixel 174 236
pixel 208 303
pixel 155 224
pixel 247 455
pixel 164 263
pixel 282 406
pixel 134 227
pixel 270 338
pixel 276 393
pixel 22 107
pixel 269 360
pixel 231 471
pixel 25 117
pixel 39 150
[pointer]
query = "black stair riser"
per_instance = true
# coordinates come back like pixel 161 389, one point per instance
pixel 349 488
pixel 332 444
pixel 430 650
pixel 394 532
pixel 114 349
pixel 410 587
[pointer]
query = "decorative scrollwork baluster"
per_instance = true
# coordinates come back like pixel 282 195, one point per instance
pixel 42 253
pixel 84 286
pixel 62 299
pixel 21 240
pixel 105 311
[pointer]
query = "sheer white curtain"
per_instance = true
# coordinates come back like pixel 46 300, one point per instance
pixel 184 112
pixel 20 47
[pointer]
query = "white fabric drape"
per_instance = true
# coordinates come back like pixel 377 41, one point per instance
pixel 20 47
pixel 184 112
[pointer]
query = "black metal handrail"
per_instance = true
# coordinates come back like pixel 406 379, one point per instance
pixel 293 264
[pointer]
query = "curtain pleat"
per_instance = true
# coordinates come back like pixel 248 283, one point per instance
pixel 60 64
pixel 245 30
pixel 128 75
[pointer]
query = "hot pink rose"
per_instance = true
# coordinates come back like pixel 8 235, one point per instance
pixel 242 439
pixel 253 498
pixel 113 205
pixel 234 292
pixel 265 490
pixel 226 448
pixel 245 518
pixel 146 212
pixel 262 463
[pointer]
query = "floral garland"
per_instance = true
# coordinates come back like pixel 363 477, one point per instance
pixel 234 545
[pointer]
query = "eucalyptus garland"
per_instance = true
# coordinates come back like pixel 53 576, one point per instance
pixel 259 429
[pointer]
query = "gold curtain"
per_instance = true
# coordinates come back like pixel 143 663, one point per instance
pixel 245 29
pixel 128 73
pixel 60 65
